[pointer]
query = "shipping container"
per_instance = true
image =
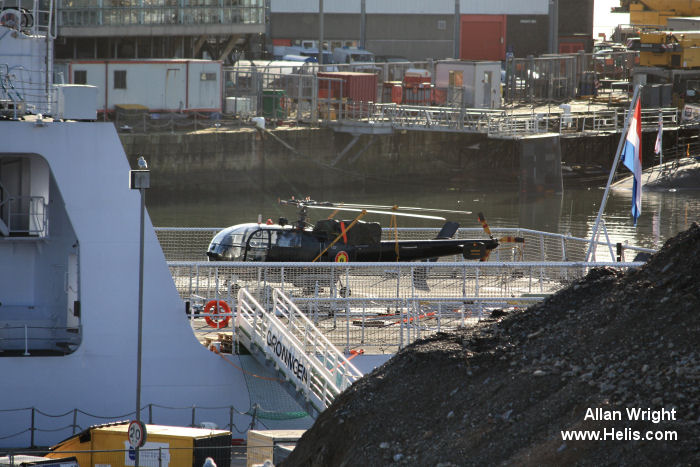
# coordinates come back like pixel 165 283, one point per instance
pixel 356 87
pixel 166 446
pixel 161 85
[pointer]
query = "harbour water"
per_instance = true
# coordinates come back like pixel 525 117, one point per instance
pixel 573 212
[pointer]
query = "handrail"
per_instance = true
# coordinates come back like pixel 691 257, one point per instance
pixel 309 373
pixel 311 337
pixel 35 214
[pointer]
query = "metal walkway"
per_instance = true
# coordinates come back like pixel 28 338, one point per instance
pixel 316 368
pixel 385 118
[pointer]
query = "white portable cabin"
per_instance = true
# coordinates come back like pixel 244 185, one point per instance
pixel 479 81
pixel 161 85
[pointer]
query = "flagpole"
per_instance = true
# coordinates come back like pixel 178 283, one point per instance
pixel 661 138
pixel 623 136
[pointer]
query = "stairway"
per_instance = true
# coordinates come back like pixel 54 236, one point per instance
pixel 316 369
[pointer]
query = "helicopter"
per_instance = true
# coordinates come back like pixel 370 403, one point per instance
pixel 332 240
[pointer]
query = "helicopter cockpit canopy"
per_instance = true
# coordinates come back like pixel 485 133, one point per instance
pixel 245 242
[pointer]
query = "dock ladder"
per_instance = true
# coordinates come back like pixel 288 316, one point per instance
pixel 316 369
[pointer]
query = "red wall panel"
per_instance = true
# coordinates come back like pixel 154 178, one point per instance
pixel 482 37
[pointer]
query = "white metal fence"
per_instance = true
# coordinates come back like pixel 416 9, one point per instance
pixel 380 306
pixel 384 306
pixel 496 123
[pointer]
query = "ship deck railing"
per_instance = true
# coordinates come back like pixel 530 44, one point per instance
pixel 381 307
pixel 23 215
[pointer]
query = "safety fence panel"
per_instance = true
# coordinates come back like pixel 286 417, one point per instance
pixel 383 304
pixel 559 78
pixel 32 427
pixel 152 454
pixel 184 243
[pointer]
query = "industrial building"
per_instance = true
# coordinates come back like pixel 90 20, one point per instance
pixel 416 30
pixel 227 30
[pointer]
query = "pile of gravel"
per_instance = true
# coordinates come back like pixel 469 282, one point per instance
pixel 504 391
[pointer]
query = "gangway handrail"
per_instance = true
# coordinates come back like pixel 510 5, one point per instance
pixel 314 379
pixel 312 337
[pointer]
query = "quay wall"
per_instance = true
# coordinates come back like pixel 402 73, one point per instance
pixel 245 159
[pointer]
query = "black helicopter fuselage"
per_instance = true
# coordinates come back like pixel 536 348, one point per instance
pixel 285 243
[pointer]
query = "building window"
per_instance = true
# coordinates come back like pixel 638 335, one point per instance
pixel 119 79
pixel 207 77
pixel 80 77
pixel 442 24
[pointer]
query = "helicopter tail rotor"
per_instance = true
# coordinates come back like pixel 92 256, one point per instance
pixel 505 239
pixel 482 220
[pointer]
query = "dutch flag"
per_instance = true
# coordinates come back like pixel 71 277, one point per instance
pixel 632 158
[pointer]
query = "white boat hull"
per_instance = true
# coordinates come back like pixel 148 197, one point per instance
pixel 89 168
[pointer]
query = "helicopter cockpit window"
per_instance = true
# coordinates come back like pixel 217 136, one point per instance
pixel 289 239
pixel 227 246
pixel 257 245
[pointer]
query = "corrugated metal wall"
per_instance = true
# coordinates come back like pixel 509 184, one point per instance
pixel 444 7
pixel 416 29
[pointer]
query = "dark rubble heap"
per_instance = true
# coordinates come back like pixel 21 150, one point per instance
pixel 502 392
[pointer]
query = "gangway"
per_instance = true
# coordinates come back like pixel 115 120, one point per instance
pixel 316 369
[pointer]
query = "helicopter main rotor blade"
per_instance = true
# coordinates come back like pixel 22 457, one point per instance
pixel 399 208
pixel 373 211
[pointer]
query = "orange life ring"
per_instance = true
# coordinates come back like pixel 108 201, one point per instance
pixel 342 257
pixel 10 18
pixel 212 316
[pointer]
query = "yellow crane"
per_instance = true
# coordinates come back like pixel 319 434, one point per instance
pixel 670 49
pixel 657 12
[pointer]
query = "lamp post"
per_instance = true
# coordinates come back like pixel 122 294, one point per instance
pixel 140 179
pixel 320 32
